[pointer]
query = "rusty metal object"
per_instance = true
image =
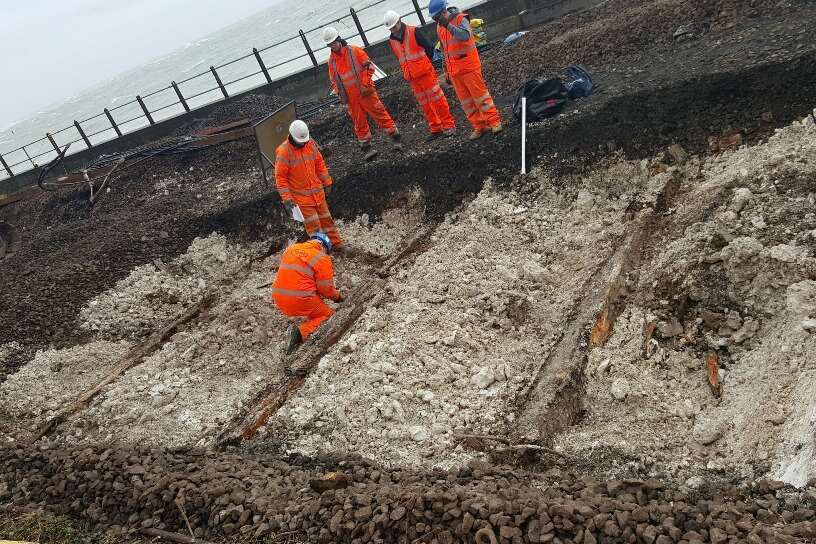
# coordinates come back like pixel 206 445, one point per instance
pixel 713 364
pixel 731 140
pixel 602 329
pixel 243 123
pixel 646 349
pixel 330 481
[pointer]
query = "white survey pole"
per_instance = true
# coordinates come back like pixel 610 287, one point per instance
pixel 523 135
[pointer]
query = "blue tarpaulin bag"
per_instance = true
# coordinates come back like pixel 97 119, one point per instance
pixel 578 82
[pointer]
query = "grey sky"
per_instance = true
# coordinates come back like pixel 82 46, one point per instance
pixel 54 49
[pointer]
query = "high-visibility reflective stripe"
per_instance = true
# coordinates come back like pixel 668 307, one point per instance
pixel 293 293
pixel 432 95
pixel 404 59
pixel 297 161
pixel 456 49
pixel 308 192
pixel 460 52
pixel 298 268
pixel 314 260
pixel 323 283
pixel 350 78
pixel 325 216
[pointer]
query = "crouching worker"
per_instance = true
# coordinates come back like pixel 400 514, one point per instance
pixel 305 277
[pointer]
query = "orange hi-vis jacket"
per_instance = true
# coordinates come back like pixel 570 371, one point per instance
pixel 350 70
pixel 301 173
pixel 305 271
pixel 461 56
pixel 412 57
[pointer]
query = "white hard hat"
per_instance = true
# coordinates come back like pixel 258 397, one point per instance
pixel 391 19
pixel 299 131
pixel 330 35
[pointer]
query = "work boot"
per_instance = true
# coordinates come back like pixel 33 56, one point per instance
pixel 295 340
pixel 397 139
pixel 497 129
pixel 476 134
pixel 369 152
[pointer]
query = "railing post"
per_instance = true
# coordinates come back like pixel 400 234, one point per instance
pixel 180 96
pixel 34 164
pixel 419 12
pixel 53 143
pixel 359 27
pixel 261 63
pixel 6 166
pixel 145 110
pixel 218 80
pixel 308 48
pixel 113 123
pixel 82 134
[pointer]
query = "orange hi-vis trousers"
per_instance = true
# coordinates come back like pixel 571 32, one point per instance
pixel 318 218
pixel 359 105
pixel 313 309
pixel 476 100
pixel 433 102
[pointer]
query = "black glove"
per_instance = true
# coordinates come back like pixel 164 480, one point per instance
pixel 289 205
pixel 327 189
pixel 339 298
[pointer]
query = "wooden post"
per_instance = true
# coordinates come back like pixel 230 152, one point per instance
pixel 218 80
pixel 180 96
pixel 308 48
pixel 82 134
pixel 6 166
pixel 53 143
pixel 113 123
pixel 262 65
pixel 419 12
pixel 359 27
pixel 145 110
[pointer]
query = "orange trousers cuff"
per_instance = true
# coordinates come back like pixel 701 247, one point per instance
pixel 476 100
pixel 318 218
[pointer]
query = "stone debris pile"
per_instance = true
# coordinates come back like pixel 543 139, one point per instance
pixel 125 491
pixel 734 275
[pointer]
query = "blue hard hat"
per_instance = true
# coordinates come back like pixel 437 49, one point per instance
pixel 323 239
pixel 436 7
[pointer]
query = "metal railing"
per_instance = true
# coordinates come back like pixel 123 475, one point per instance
pixel 138 114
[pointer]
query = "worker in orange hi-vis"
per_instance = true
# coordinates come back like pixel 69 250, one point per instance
pixel 304 181
pixel 305 277
pixel 415 53
pixel 463 68
pixel 351 73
